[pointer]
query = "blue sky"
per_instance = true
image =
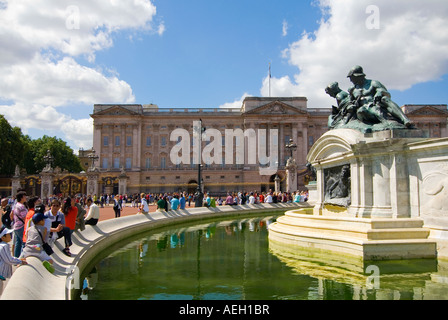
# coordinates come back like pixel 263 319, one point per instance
pixel 210 52
pixel 58 58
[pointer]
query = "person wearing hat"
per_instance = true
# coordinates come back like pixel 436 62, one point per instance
pixel 6 258
pixel 36 237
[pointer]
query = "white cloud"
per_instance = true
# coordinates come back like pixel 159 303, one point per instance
pixel 161 29
pixel 60 83
pixel 279 87
pixel 79 132
pixel 410 47
pixel 284 28
pixel 26 116
pixel 50 121
pixel 235 104
pixel 40 43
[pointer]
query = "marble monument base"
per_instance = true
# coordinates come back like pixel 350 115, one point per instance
pixel 366 238
pixel 379 196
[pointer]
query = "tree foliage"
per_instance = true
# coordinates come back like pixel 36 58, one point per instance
pixel 19 149
pixel 13 147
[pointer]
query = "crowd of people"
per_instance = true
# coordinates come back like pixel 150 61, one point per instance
pixel 32 225
pixel 179 200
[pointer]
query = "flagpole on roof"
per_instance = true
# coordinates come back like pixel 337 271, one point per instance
pixel 269 79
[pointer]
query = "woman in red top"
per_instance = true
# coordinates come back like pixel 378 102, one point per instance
pixel 70 213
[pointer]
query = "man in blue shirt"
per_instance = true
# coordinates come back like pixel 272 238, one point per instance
pixel 182 201
pixel 175 202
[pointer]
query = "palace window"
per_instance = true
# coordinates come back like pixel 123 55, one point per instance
pixel 116 163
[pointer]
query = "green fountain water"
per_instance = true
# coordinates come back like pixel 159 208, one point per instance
pixel 234 260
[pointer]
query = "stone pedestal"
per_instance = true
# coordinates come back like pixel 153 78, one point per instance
pixel 378 180
pixel 92 182
pixel 47 184
pixel 368 196
pixel 16 185
pixel 312 191
pixel 277 184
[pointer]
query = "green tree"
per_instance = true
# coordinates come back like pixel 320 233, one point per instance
pixel 19 149
pixel 62 154
pixel 13 147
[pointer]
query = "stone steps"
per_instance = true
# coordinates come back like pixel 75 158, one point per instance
pixel 371 229
pixel 373 239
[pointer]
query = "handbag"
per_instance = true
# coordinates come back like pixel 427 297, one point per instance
pixel 47 248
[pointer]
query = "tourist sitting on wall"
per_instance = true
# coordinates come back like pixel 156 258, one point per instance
pixel 207 201
pixel 161 205
pixel 229 200
pixel 144 208
pixel 36 237
pixel 93 214
pixel 80 224
pixel 175 202
pixel 182 201
pixel 56 219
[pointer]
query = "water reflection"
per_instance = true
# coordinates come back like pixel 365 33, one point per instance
pixel 234 260
pixel 208 261
pixel 346 277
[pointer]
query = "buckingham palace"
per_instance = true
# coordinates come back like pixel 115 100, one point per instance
pixel 143 148
pixel 133 145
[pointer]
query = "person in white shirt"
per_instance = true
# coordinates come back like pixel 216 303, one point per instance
pixel 144 208
pixel 93 214
pixel 268 198
pixel 251 198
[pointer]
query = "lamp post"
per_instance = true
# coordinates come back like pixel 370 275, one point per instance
pixel 291 168
pixel 199 194
pixel 291 146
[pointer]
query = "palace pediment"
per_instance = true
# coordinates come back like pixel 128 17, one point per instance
pixel 117 110
pixel 428 111
pixel 276 108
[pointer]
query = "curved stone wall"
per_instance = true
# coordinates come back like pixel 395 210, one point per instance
pixel 34 282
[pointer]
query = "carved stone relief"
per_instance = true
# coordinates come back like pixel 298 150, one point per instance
pixel 337 186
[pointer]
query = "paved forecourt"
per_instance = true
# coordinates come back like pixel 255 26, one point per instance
pixel 34 282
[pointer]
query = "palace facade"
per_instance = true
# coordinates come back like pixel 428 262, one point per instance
pixel 136 140
pixel 133 148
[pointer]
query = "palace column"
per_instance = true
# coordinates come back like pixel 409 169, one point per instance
pixel 122 182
